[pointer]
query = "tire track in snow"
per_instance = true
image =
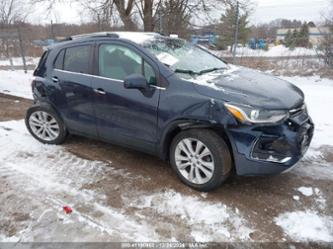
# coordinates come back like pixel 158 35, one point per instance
pixel 53 178
pixel 56 178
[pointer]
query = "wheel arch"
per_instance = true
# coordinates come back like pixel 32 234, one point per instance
pixel 48 105
pixel 180 125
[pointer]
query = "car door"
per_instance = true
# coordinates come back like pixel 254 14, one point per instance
pixel 71 74
pixel 125 116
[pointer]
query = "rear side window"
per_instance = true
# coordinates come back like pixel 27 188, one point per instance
pixel 59 61
pixel 77 59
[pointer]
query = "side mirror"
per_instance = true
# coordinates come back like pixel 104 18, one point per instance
pixel 135 81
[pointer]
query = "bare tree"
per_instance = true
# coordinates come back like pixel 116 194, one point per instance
pixel 12 11
pixel 326 45
pixel 148 12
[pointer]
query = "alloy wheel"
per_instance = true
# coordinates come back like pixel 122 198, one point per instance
pixel 44 126
pixel 194 161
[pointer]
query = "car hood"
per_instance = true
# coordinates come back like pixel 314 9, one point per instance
pixel 250 87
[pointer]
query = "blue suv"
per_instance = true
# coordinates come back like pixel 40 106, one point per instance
pixel 166 97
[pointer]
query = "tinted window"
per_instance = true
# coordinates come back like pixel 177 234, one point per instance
pixel 77 59
pixel 41 68
pixel 117 62
pixel 59 61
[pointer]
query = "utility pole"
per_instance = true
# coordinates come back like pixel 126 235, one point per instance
pixel 236 34
pixel 52 31
pixel 160 15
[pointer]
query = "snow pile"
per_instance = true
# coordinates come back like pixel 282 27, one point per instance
pixel 276 51
pixel 306 191
pixel 318 97
pixel 306 226
pixel 16 83
pixel 207 221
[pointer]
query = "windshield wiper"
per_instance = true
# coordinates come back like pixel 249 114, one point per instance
pixel 191 72
pixel 211 70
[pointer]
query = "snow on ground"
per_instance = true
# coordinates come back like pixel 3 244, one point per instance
pixel 53 178
pixel 43 172
pixel 318 97
pixel 17 61
pixel 307 191
pixel 275 51
pixel 306 226
pixel 207 222
pixel 16 83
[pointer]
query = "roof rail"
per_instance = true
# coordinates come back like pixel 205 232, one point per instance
pixel 98 34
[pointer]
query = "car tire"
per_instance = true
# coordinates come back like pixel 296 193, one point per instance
pixel 45 125
pixel 205 169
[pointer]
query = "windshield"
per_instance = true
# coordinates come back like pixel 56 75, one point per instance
pixel 183 57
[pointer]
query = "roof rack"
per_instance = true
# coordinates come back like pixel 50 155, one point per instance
pixel 98 34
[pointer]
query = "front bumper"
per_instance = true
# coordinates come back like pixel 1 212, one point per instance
pixel 271 149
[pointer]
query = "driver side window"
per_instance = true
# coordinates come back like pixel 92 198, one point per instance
pixel 118 62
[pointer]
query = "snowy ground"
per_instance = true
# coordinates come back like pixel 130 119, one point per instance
pixel 16 83
pixel 17 61
pixel 118 195
pixel 50 177
pixel 275 51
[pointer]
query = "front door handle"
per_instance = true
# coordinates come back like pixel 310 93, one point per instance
pixel 55 79
pixel 99 91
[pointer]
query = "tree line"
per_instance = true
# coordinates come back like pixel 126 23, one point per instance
pixel 165 16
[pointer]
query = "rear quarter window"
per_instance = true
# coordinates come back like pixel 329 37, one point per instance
pixel 77 59
pixel 41 68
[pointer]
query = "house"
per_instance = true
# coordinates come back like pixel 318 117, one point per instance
pixel 316 34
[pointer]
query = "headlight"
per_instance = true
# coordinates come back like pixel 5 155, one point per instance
pixel 252 115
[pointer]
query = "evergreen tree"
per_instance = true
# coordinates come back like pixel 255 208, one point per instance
pixel 303 36
pixel 288 39
pixel 294 39
pixel 227 27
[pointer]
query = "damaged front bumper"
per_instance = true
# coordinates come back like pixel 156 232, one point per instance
pixel 271 149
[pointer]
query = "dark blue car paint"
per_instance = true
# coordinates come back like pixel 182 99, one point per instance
pixel 148 119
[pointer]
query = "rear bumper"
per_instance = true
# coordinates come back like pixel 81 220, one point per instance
pixel 268 150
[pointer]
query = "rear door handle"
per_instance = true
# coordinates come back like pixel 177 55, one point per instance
pixel 55 79
pixel 99 91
